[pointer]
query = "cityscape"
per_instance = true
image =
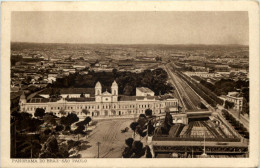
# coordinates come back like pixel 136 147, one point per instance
pixel 130 100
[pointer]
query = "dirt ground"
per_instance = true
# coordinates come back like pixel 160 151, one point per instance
pixel 108 133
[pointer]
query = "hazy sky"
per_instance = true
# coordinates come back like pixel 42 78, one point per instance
pixel 131 27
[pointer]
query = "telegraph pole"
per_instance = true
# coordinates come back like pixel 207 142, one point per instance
pixel 98 143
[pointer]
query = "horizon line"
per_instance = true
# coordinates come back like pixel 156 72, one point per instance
pixel 128 43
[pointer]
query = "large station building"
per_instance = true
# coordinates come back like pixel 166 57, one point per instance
pixel 98 103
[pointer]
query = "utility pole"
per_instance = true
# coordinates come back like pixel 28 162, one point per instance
pixel 98 143
pixel 31 146
pixel 192 152
pixel 31 134
pixel 15 137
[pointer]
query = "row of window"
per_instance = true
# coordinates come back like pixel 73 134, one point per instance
pixel 105 106
pixel 113 113
pixel 235 101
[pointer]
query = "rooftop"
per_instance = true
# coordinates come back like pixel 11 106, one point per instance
pixel 144 89
pixel 90 91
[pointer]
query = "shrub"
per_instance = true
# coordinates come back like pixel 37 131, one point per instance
pixel 129 142
pixel 59 128
pixel 47 131
pixel 39 112
pixel 148 112
pixel 133 125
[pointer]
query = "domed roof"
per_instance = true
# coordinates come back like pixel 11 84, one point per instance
pixel 114 84
pixel 98 85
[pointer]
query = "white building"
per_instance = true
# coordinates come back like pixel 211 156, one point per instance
pixel 102 103
pixel 201 74
pixel 235 98
pixel 143 91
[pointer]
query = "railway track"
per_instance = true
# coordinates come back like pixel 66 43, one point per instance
pixel 188 131
pixel 189 99
pixel 212 131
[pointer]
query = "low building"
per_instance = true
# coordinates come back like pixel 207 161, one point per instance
pixel 101 103
pixel 144 91
pixel 201 74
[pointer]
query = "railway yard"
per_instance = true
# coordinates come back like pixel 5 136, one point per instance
pixel 189 99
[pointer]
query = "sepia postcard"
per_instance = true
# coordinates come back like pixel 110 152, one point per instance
pixel 130 84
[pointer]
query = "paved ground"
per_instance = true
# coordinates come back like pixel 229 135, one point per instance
pixel 108 133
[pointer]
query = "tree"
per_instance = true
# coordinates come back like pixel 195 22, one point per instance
pixel 34 124
pixel 168 119
pixel 59 128
pixel 47 131
pixel 148 112
pixel 67 128
pixel 129 142
pixel 50 148
pixel 134 149
pixel 133 125
pixel 128 89
pixel 148 152
pixel 151 128
pixel 69 119
pixel 166 125
pixel 114 71
pixel 229 104
pixel 79 130
pixel 142 121
pixel 138 149
pixel 142 115
pixel 87 120
pixel 49 119
pixel 127 153
pixel 39 112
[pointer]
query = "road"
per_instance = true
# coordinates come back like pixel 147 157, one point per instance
pixel 189 98
pixel 243 119
pixel 108 133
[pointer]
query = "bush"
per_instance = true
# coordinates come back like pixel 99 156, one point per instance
pixel 229 104
pixel 135 151
pixel 142 115
pixel 39 112
pixel 148 152
pixel 133 125
pixel 129 142
pixel 72 144
pixel 138 149
pixel 148 112
pixel 87 120
pixel 127 153
pixel 67 128
pixel 69 119
pixel 59 128
pixel 47 131
pixel 79 130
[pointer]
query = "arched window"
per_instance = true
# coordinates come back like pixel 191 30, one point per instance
pixel 114 92
pixel 98 92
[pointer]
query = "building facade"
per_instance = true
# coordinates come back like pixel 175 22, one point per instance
pixel 101 104
pixel 235 98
